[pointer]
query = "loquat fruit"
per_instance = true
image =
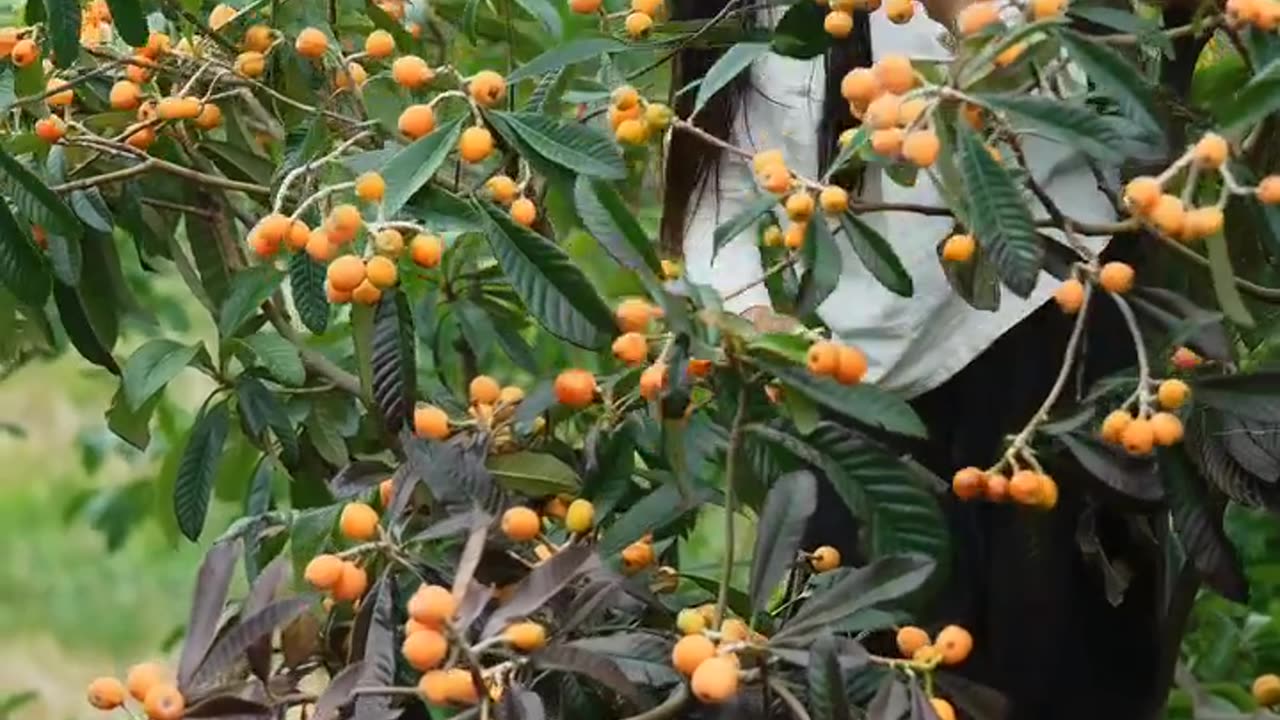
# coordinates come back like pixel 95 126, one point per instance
pixel 1142 193
pixel 1266 690
pixel 638 24
pixel 968 483
pixel 793 238
pixel 823 358
pixel 1025 487
pixel 921 148
pixel 249 63
pixel 323 571
pixel 370 187
pixel 1048 493
pixel 411 72
pixel 825 559
pixel 955 643
pixel 585 7
pixel 715 680
pixel 1116 277
pixel 24 52
pixel 461 688
pixel 358 522
pixel 475 144
pixel 959 248
pixel 379 44
pixel 1113 425
pixel 861 85
pixel 977 17
pixel 386 490
pixel 882 113
pixel 257 38
pixel 631 348
pixel 1184 358
pixel 487 88
pixel 776 179
pixel 433 686
pixel 1268 191
pixel 658 116
pixel 799 206
pixel 580 516
pixel 653 380
pixel 633 315
pixel 142 677
pixel 424 649
pixel 1138 437
pixel 691 651
pixel 851 365
pixel 521 524
pixel 389 243
pixel 525 636
pixel 887 142
pixel 311 43
pixel 524 212
pixel 1070 296
pixel 1166 429
pixel 432 605
pixel 511 395
pixel 106 693
pixel 416 121
pixel 50 129
pixel 1043 9
pixel 346 273
pixel 910 639
pixel 209 118
pixel 430 422
pixel 1211 151
pixel 380 272
pixel 700 367
pixel 320 248
pixel 426 250
pixel 996 487
pixel 838 24
pixel 833 199
pixel 502 189
pixel 690 622
pixel 1172 394
pixel 164 702
pixel 942 709
pixel 1203 222
pixel 575 387
pixel 899 12
pixel 1168 215
pixel 636 557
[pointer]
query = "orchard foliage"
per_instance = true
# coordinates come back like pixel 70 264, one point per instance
pixel 384 206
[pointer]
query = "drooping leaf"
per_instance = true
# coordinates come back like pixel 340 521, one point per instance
pixel 64 30
pixel 261 410
pixel 1198 525
pixel 410 169
pixel 553 288
pixel 306 285
pixel 520 704
pixel 394 370
pixel 1252 103
pixel 877 255
pixel 541 584
pixel 358 478
pixel 884 580
pixel 308 532
pixel 1207 434
pixel 279 356
pixel 779 531
pixel 339 692
pixel 1254 395
pixel 570 145
pixel 23 270
pixel 40 205
pixel 150 368
pixel 1129 479
pixel 263 591
pixel 198 468
pixel 571 53
pixel 533 473
pixel 1001 222
pixel 744 220
pixel 545 13
pixel 375 642
pixel 249 289
pixel 644 658
pixel 607 218
pixel 132 426
pixel 232 645
pixel 1115 77
pixel 864 403
pixel 654 513
pixel 799 34
pixel 822 268
pixel 827 696
pixel 1071 123
pixel 128 19
pixel 1184 321
pixel 728 66
pixel 213 581
pixel 593 665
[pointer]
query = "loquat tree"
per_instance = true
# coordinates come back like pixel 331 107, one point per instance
pixel 472 407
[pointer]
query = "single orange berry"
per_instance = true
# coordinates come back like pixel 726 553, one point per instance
pixel 1142 193
pixel 125 95
pixel 921 148
pixel 997 488
pixel 209 118
pixel 358 522
pixel 575 387
pixel 380 271
pixel 411 72
pixel 851 366
pixel 389 243
pixel 1025 487
pixel 346 273
pixel 824 559
pixel 977 17
pixel 164 702
pixel 1211 151
pixel 425 649
pixel 799 206
pixel 633 315
pixel 1166 429
pixel 524 212
pixel 106 693
pixel 580 516
pixel 502 189
pixel 716 680
pixel 887 142
pixel 521 524
pixel 475 144
pixel 955 643
pixel 1070 296
pixel 379 44
pixel 1169 215
pixel 323 571
pixel 487 88
pixel 631 348
pixel 258 38
pixel 690 652
pixel 1172 394
pixel 838 24
pixel 352 583
pixel 636 557
pixel 525 636
pixel 320 248
pixel 1138 437
pixel 370 187
pixel 883 112
pixel 1269 190
pixel 311 43
pixel 432 605
pixel 823 358
pixel 61 98
pixel 1116 277
pixel 434 687
pixel 910 639
pixel 833 199
pixel 700 367
pixel 653 380
pixel 860 85
pixel 1113 425
pixel 1042 9
pixel 638 24
pixel 899 12
pixel 585 7
pixel 1185 359
pixel 250 64
pixel 431 422
pixel 776 179
pixel 24 52
pixel 895 73
pixel 959 248
pixel 968 483
pixel 144 676
pixel 426 250
pixel 50 129
pixel 1266 690
pixel 1202 222
pixel 942 709
pixel 416 121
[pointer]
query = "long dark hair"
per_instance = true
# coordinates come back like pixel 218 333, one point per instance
pixel 692 164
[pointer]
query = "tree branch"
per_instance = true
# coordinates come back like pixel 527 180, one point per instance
pixel 1258 291
pixel 312 359
pixel 668 708
pixel 730 466
pixel 163 166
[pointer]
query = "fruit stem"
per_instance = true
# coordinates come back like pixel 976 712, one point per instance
pixel 305 168
pixel 317 196
pixel 730 466
pixel 1144 368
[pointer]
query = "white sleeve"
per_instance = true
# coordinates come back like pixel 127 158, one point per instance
pixel 738 262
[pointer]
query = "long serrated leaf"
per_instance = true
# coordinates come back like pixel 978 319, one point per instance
pixel 884 580
pixel 261 410
pixel 306 285
pixel 1199 527
pixel 1000 220
pixel 1114 76
pixel 233 644
pixel 533 473
pixel 308 532
pixel 546 14
pixel 553 288
pixel 779 531
pixel 569 54
pixel 593 665
pixel 279 356
pixel 472 550
pixel 573 146
pixel 864 403
pixel 394 368
pixel 1251 395
pixel 35 200
pixel 249 289
pixel 23 270
pixel 410 169
pixel 827 696
pixel 822 267
pixel 744 220
pixel 198 468
pixel 727 67
pixel 94 343
pixel 150 368
pixel 877 255
pixel 606 216
pixel 1133 479
pixel 541 584
pixel 1070 122
pixel 213 581
pixel 644 658
pixel 63 17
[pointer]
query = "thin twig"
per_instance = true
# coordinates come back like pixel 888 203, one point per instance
pixel 1258 291
pixel 730 466
pixel 775 269
pixel 789 699
pixel 1144 368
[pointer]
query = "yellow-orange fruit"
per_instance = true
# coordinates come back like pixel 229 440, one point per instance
pixel 221 15
pixel 426 250
pixel 125 95
pixel 1266 690
pixel 257 38
pixel 379 44
pixel 323 571
pixel 358 522
pixel 833 199
pixel 343 223
pixel 1025 487
pixel 617 115
pixel 1184 358
pixel 823 358
pixel 1166 429
pixel 838 24
pixel 997 487
pixel 691 651
pixel 370 187
pixel 767 158
pixel 263 246
pixel 575 387
pixel 174 108
pixel 105 693
pixel 416 121
pixel 209 118
pixel 311 43
pixel 977 17
pixel 353 76
pixel 825 559
pixel 274 227
pixel 502 189
pixel 389 242
pixel 633 315
pixel 164 702
pixel 250 63
pixel 1070 296
pixel 144 676
pixel 942 709
pixel 585 7
pixel 432 605
pixel 648 7
pixel 431 422
pixel 484 389
pixel 860 85
pixel 799 206
pixel 1048 493
pixel 1141 193
pixel 653 380
pixel 434 687
pixel 425 649
pixel 899 12
pixel 475 144
pixel 141 138
pixel 927 654
pixel 882 113
pixel 1211 151
pixel 887 142
pixel 320 248
pixel 632 132
pixel 959 248
pixel 411 72
pixel 921 147
pixel 487 88
pixel 631 348
pixel 910 639
pixel 521 524
pixel 380 271
pixel 1042 9
pixel 1138 437
pixel 1168 215
pixel 1268 191
pixel 1202 222
pixel 524 212
pixel 700 367
pixel 1113 425
pixel 716 680
pixel 968 483
pixel 690 622
pixel 775 179
pixel 50 129
pixel 910 110
pixel 8 38
pixel 1010 55
pixel 352 584
pixel 61 98
pixel 638 24
pixel 955 643
pixel 525 636
pixel 851 365
pixel 636 557
pixel 24 52
pixel 1116 277
pixel 346 273
pixel 580 516
pixel 1172 394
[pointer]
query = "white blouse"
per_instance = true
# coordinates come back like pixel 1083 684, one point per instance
pixel 912 344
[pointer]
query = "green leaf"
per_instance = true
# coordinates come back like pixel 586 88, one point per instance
pixel 822 267
pixel 1259 98
pixel 877 255
pixel 885 580
pixel 532 473
pixel 568 54
pixel 412 167
pixel 1072 123
pixel 278 356
pixel 383 102
pixel 405 42
pixel 362 341
pixel 197 469
pixel 392 361
pixel 1198 525
pixel 324 427
pixel 1224 281
pixel 306 285
pixel 130 21
pixel 23 270
pixel 799 34
pixel 201 235
pixel 731 64
pixel 1147 29
pixel 654 513
pixel 853 149
pixel 779 531
pixel 977 282
pixel 553 288
pixel 309 533
pixel 1254 395
pixel 570 145
pixel 743 221
pixel 470 15
pixel 33 12
pixel 827 695
pixel 261 410
pixel 249 289
pixel 605 215
pixel 1001 223
pixel 1115 77
pixel 65 259
pixel 64 30
pixel 864 403
pixel 150 368
pixel 40 205
pixel 91 336
pixel 237 162
pixel 132 426
pixel 546 14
